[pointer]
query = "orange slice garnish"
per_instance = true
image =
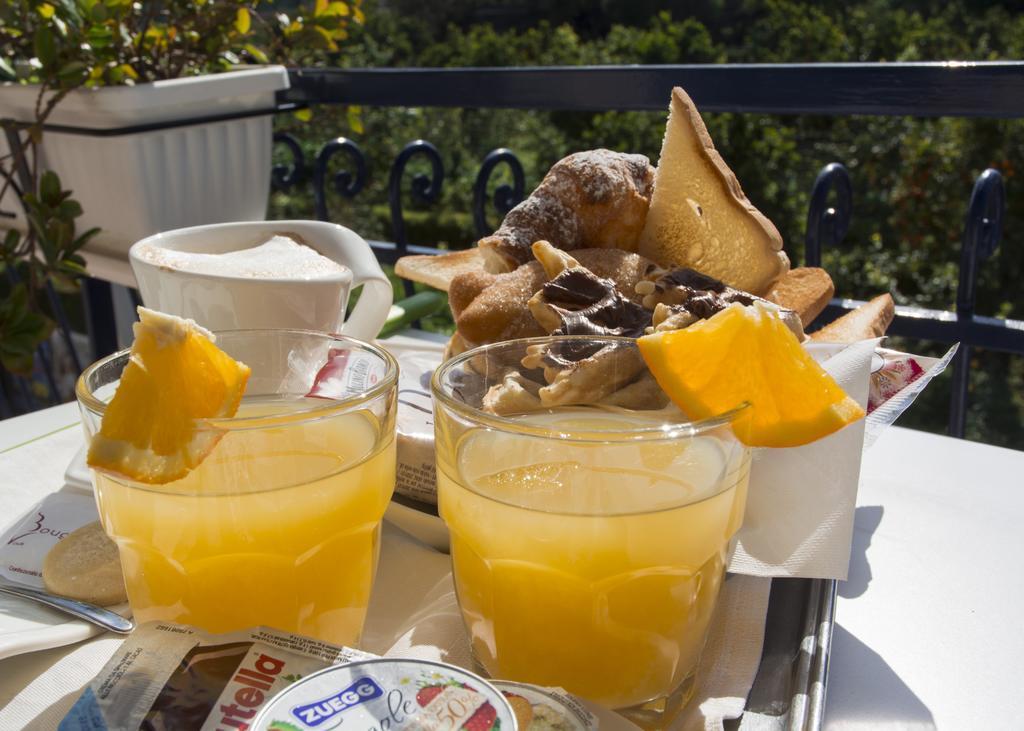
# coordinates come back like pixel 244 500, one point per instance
pixel 748 355
pixel 176 376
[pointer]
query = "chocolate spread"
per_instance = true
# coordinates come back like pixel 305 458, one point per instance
pixel 590 305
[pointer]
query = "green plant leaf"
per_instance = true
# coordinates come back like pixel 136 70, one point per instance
pixel 46 10
pixel 60 26
pixel 64 283
pixel 16 302
pixel 100 37
pixel 21 330
pixel 303 115
pixel 81 241
pixel 49 188
pixel 73 266
pixel 11 241
pixel 242 21
pixel 258 55
pixel 7 72
pixel 69 209
pixel 73 69
pixel 16 359
pixel 326 38
pixel 44 46
pixel 128 72
pixel 354 115
pixel 69 9
pixel 338 9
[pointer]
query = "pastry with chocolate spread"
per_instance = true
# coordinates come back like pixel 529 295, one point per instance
pixel 489 308
pixel 575 301
pixel 681 297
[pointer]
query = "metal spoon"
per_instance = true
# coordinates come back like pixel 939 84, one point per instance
pixel 83 610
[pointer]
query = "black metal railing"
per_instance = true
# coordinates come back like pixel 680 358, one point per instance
pixel 991 90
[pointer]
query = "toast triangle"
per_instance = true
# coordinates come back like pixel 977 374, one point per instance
pixel 805 290
pixel 438 270
pixel 700 218
pixel 870 320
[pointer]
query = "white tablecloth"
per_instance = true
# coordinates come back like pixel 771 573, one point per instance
pixel 928 629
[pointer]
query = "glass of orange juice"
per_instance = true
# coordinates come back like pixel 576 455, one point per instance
pixel 590 522
pixel 280 524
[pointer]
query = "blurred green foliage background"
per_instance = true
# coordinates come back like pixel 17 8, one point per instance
pixel 912 177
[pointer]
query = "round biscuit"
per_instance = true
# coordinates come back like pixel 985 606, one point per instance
pixel 85 565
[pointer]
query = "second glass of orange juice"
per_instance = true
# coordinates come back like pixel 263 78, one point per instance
pixel 588 541
pixel 280 524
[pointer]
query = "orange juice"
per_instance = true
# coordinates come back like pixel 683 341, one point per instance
pixel 593 566
pixel 278 526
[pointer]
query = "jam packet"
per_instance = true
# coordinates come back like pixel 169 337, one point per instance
pixel 542 709
pixel 896 381
pixel 348 372
pixel 388 694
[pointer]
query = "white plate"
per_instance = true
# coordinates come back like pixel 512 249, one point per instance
pixel 28 473
pixel 26 627
pixel 421 525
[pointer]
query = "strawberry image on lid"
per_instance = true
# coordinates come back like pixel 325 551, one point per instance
pixel 388 693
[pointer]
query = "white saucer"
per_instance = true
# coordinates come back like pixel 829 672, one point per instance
pixel 423 526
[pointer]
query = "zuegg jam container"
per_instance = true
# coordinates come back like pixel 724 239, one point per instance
pixel 547 708
pixel 388 695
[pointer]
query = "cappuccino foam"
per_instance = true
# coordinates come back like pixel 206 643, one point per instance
pixel 278 258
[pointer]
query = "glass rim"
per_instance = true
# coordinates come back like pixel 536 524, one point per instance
pixel 667 430
pixel 88 399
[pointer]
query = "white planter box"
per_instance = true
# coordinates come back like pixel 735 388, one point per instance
pixel 135 185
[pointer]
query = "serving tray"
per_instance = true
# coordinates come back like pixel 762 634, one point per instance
pixel 788 692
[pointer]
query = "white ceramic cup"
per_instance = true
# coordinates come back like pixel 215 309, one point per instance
pixel 220 302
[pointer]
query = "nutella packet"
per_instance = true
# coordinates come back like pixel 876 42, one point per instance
pixel 168 676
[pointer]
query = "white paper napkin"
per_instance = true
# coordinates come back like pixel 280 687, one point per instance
pixel 800 506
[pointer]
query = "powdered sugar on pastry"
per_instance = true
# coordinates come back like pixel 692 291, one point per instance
pixel 593 199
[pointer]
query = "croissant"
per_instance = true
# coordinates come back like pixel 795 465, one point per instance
pixel 596 199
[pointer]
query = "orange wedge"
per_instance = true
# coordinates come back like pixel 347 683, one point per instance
pixel 152 429
pixel 747 354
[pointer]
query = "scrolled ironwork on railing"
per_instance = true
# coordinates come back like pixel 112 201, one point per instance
pixel 425 189
pixel 284 177
pixel 505 196
pixel 827 224
pixel 983 229
pixel 345 183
